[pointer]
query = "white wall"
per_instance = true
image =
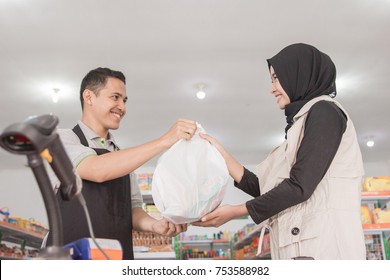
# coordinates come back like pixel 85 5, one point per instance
pixel 377 168
pixel 20 193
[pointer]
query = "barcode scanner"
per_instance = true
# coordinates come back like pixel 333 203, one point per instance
pixel 36 138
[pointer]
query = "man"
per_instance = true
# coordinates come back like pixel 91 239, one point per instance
pixel 104 169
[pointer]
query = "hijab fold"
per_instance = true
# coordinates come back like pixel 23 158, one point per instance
pixel 305 73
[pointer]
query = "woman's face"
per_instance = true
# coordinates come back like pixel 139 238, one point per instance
pixel 276 89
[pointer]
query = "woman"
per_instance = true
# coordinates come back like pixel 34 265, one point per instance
pixel 308 188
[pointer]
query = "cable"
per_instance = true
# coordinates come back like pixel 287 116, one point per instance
pixel 81 199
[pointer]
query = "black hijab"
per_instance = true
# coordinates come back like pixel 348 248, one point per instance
pixel 304 73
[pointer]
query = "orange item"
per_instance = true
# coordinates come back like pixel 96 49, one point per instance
pixel 366 215
pixel 378 183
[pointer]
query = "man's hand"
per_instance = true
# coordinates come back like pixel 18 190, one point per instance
pixel 182 129
pixel 164 227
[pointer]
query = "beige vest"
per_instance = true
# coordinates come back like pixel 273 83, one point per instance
pixel 327 225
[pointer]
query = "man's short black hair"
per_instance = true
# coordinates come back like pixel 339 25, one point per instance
pixel 96 79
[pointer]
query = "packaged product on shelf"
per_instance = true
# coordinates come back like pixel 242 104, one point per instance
pixel 366 215
pixel 239 254
pixel 184 237
pixel 16 252
pixel 381 216
pixel 24 223
pixel 188 253
pixel 153 211
pixel 378 183
pixel 152 242
pixel 38 227
pixel 144 181
pixel 373 247
pixel 29 226
pixel 160 248
pixel 241 233
pixel 4 214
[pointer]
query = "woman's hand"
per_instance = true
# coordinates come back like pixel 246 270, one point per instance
pixel 221 215
pixel 236 170
pixel 214 142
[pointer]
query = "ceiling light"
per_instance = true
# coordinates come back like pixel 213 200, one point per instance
pixel 56 95
pixel 200 94
pixel 370 143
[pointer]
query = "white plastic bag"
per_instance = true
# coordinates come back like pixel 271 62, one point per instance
pixel 190 180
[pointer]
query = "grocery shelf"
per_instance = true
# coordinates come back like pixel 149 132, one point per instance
pixel 190 242
pixel 221 241
pixel 214 258
pixel 262 256
pixel 204 241
pixel 376 233
pixel 154 255
pixel 378 195
pixel 375 228
pixel 147 196
pixel 17 235
pixel 247 239
pixel 203 249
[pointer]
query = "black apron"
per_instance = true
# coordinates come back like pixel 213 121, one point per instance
pixel 109 206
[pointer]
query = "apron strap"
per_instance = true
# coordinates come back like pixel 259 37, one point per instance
pixel 80 135
pixel 267 225
pixel 260 245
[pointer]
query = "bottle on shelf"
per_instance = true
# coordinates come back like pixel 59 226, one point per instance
pixel 204 247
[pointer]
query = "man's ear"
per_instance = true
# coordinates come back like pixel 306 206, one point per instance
pixel 87 95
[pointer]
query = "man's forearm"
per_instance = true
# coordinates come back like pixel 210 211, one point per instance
pixel 141 220
pixel 117 164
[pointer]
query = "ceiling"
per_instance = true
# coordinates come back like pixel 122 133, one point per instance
pixel 166 48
